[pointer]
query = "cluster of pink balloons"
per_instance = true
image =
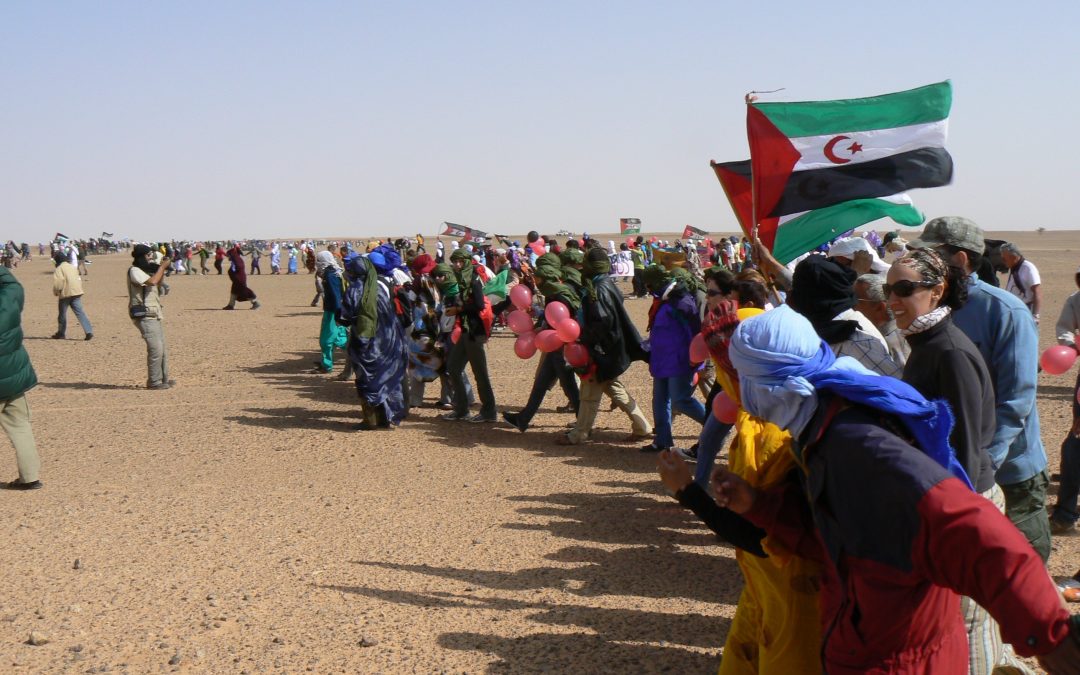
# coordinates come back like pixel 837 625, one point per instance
pixel 564 331
pixel 1057 360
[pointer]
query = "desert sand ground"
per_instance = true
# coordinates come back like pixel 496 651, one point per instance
pixel 236 524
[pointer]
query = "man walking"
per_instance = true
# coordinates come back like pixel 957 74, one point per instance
pixel 16 378
pixel 613 343
pixel 67 286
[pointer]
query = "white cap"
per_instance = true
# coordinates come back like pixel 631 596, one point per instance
pixel 848 247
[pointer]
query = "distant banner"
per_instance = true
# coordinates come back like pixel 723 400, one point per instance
pixel 460 231
pixel 690 231
pixel 60 237
pixel 107 235
pixel 630 225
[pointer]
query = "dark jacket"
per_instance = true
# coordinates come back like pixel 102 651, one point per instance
pixel 607 330
pixel 944 363
pixel 471 308
pixel 332 290
pixel 16 374
pixel 900 538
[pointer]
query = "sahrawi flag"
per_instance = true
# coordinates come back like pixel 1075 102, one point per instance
pixel 821 168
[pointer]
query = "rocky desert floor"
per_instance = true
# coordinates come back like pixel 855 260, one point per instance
pixel 236 523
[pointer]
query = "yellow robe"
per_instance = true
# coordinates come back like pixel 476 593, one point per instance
pixel 777 625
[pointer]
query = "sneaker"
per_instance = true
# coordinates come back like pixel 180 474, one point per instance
pixel 445 406
pixel 19 485
pixel 160 385
pixel 480 419
pixel 228 307
pixel 255 304
pixel 688 454
pixel 56 336
pixel 1063 528
pixel 513 420
pixel 454 417
pixel 653 447
pixel 89 336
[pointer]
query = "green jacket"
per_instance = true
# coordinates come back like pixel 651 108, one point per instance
pixel 16 374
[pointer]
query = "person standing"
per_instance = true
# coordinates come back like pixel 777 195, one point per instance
pixel 331 334
pixel 471 345
pixel 144 306
pixel 256 254
pixel 1024 281
pixel 204 255
pixel 638 256
pixel 219 257
pixel 239 290
pixel 377 347
pixel 1066 514
pixel 293 253
pixel 67 287
pixel 16 378
pixel 1005 334
pixel 275 258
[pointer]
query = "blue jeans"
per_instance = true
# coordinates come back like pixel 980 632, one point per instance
pixel 677 392
pixel 76 306
pixel 710 442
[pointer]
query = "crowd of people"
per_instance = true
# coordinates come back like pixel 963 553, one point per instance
pixel 885 480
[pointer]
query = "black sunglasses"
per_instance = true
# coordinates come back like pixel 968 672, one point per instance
pixel 904 289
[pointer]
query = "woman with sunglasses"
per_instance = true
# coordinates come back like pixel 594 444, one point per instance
pixel 922 291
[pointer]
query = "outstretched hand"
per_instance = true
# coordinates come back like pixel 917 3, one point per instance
pixel 673 471
pixel 732 492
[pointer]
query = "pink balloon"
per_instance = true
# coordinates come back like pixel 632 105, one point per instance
pixel 525 345
pixel 699 352
pixel 1058 359
pixel 724 408
pixel 521 296
pixel 520 322
pixel 455 334
pixel 576 355
pixel 548 340
pixel 568 330
pixel 556 313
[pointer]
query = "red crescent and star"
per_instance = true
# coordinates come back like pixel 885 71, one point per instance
pixel 830 152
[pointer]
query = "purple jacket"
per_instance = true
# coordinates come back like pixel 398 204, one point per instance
pixel 675 325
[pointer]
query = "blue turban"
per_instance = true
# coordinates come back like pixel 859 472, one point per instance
pixel 782 364
pixel 379 261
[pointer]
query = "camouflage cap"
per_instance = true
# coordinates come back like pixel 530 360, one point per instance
pixel 951 231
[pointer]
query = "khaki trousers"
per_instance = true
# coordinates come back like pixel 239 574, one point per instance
pixel 15 419
pixel 591 393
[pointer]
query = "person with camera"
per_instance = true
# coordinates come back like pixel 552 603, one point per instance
pixel 144 307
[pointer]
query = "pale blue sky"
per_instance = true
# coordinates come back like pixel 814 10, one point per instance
pixel 237 119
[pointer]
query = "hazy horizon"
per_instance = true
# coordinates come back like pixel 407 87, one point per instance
pixel 241 120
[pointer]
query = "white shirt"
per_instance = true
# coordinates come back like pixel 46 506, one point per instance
pixel 1028 277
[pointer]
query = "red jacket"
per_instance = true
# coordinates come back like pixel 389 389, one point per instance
pixel 899 539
